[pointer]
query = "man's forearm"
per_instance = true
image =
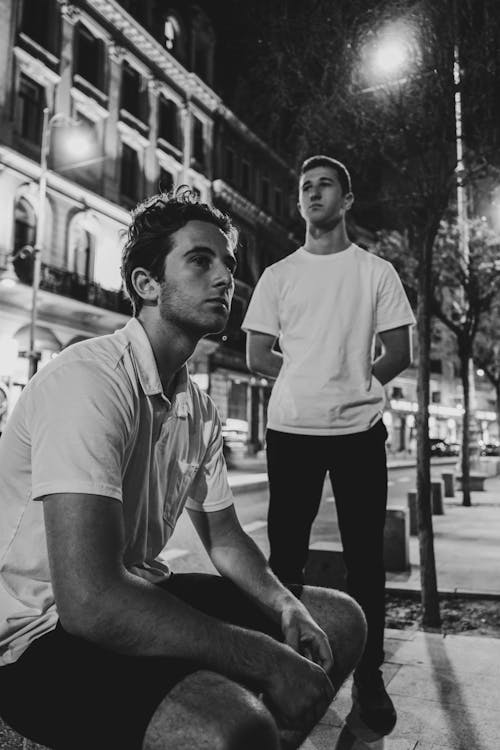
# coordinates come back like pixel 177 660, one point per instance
pixel 241 560
pixel 388 366
pixel 268 364
pixel 136 617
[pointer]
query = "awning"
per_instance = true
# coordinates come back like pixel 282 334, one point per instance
pixel 45 339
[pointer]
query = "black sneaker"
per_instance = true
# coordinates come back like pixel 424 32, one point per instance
pixel 376 709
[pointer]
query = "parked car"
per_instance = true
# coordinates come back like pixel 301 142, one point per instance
pixel 235 438
pixel 490 449
pixel 442 448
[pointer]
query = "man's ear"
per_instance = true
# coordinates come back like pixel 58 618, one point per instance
pixel 348 201
pixel 145 286
pixel 299 209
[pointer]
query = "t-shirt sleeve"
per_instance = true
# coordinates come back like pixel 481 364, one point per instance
pixel 210 488
pixel 80 425
pixel 263 311
pixel 393 308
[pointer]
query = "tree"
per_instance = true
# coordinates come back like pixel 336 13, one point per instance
pixel 487 350
pixel 311 70
pixel 463 292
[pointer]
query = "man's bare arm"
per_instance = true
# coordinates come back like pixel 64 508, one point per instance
pixel 99 600
pixel 237 557
pixel 261 358
pixel 396 355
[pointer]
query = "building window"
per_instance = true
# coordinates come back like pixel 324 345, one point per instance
pixel 133 98
pixel 166 181
pixel 245 176
pixel 436 397
pixel 436 366
pixel 168 124
pixel 201 59
pixel 82 254
pixel 397 392
pixel 31 102
pixel 130 173
pixel 89 57
pixel 198 142
pixel 172 34
pixel 40 22
pixel 278 202
pixel 265 192
pixel 230 165
pixel 24 224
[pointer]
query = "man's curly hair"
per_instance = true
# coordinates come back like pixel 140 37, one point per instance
pixel 149 236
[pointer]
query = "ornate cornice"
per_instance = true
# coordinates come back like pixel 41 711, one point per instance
pixel 246 209
pixel 157 55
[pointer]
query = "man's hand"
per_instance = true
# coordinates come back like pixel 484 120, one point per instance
pixel 298 691
pixel 305 636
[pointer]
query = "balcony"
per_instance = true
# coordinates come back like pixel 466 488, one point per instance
pixel 65 298
pixel 59 281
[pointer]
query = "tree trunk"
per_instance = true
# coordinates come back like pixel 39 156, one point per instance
pixel 497 391
pixel 430 601
pixel 465 463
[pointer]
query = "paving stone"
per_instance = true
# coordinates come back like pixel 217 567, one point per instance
pixel 464 655
pixel 443 686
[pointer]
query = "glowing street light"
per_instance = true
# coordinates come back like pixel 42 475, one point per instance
pixel 75 144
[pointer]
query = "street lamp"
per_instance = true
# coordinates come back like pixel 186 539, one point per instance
pixel 77 144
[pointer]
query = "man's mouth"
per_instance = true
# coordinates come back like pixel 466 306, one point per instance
pixel 221 301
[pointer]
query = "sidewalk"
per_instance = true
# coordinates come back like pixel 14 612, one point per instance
pixel 445 689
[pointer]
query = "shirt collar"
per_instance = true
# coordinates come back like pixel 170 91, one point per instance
pixel 147 370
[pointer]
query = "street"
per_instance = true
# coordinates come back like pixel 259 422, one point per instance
pixel 185 553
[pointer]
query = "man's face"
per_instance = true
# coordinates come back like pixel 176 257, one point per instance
pixel 198 283
pixel 321 201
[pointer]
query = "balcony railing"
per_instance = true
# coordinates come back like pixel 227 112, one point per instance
pixel 70 284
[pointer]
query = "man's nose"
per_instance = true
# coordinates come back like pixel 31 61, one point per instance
pixel 315 191
pixel 223 276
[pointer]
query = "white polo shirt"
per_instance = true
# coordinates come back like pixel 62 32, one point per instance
pixel 95 420
pixel 326 310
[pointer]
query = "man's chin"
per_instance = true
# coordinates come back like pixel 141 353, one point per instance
pixel 215 325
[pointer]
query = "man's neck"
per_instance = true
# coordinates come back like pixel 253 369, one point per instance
pixel 171 348
pixel 326 240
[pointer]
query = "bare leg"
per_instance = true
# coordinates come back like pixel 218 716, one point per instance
pixel 343 621
pixel 207 711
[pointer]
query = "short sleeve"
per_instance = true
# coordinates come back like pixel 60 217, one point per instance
pixel 210 489
pixel 79 425
pixel 393 308
pixel 263 311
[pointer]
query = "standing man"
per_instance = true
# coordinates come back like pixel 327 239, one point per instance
pixel 325 303
pixel 100 647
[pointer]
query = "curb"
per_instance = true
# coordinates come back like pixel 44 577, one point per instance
pixel 415 593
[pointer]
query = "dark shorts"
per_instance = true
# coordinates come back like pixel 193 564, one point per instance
pixel 70 694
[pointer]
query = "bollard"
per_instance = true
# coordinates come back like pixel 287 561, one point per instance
pixel 412 507
pixel 449 484
pixel 397 539
pixel 437 498
pixel 325 566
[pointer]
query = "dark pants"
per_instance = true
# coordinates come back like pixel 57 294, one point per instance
pixel 356 463
pixel 66 692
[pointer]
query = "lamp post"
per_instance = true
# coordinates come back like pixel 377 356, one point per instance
pixel 48 123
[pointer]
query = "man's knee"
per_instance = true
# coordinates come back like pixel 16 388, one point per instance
pixel 207 710
pixel 342 619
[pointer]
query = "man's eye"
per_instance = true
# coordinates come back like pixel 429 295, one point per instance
pixel 201 260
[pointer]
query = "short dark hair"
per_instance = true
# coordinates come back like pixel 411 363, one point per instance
pixel 154 221
pixel 328 161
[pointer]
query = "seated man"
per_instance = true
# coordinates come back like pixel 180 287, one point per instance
pixel 100 646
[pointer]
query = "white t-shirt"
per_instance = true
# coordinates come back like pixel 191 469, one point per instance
pixel 95 421
pixel 326 309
